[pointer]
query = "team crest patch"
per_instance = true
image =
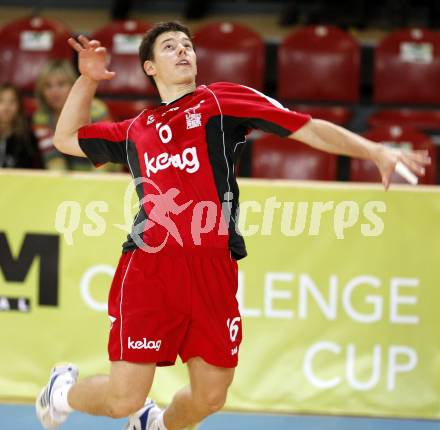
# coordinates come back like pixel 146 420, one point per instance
pixel 150 119
pixel 193 118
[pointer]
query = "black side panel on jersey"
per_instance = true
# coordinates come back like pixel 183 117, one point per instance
pixel 267 126
pixel 221 147
pixel 141 216
pixel 100 152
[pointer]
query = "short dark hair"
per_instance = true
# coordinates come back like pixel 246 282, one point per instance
pixel 147 44
pixel 20 125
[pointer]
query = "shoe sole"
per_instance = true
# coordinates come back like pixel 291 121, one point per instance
pixel 43 413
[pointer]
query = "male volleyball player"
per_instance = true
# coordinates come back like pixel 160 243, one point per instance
pixel 174 288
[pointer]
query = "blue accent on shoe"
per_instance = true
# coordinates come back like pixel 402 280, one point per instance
pixel 144 416
pixel 51 385
pixel 48 392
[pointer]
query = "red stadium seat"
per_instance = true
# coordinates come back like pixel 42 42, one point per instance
pixel 229 52
pixel 319 64
pixel 407 68
pixel 27 44
pixel 336 114
pixel 421 119
pixel 396 136
pixel 122 40
pixel 274 157
pixel 124 109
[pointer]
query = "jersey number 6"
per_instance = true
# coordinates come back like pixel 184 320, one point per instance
pixel 233 327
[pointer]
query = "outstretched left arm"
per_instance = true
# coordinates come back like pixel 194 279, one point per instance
pixel 329 137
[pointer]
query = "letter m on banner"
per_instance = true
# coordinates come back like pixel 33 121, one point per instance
pixel 44 246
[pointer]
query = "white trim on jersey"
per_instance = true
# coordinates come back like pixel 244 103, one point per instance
pixel 224 148
pixel 120 305
pixel 128 266
pixel 238 143
pixel 128 162
pixel 276 103
pixel 126 142
pixel 235 148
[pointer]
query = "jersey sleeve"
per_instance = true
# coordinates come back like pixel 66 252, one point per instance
pixel 256 109
pixel 104 142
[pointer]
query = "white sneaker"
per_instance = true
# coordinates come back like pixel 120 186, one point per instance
pixel 144 418
pixel 60 375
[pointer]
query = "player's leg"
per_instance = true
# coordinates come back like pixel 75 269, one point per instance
pixel 117 395
pixel 205 395
pixel 211 345
pixel 125 389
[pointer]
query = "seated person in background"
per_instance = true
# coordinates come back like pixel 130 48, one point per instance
pixel 18 146
pixel 52 88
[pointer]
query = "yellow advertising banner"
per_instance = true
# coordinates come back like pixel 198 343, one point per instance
pixel 339 294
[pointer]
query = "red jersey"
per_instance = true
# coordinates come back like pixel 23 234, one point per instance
pixel 181 156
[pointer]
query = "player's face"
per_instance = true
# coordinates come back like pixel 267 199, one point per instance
pixel 55 91
pixel 174 59
pixel 8 106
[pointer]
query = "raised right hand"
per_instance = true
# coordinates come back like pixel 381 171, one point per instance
pixel 92 58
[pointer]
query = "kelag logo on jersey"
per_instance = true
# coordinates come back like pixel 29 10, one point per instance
pixel 187 161
pixel 44 248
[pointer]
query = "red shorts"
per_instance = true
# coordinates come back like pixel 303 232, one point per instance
pixel 168 304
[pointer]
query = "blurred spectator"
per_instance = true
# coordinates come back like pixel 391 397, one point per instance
pixel 53 85
pixel 18 146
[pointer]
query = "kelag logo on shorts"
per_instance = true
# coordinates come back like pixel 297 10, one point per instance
pixel 144 344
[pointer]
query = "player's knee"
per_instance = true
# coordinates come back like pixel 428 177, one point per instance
pixel 215 403
pixel 115 410
pixel 212 401
pixel 214 407
pixel 121 407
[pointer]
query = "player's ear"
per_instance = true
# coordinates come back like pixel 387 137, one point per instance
pixel 149 68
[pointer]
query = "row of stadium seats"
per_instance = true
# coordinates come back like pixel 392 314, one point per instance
pixel 273 157
pixel 315 64
pixel 318 67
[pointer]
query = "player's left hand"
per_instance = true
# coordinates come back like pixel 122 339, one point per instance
pixel 92 58
pixel 386 159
